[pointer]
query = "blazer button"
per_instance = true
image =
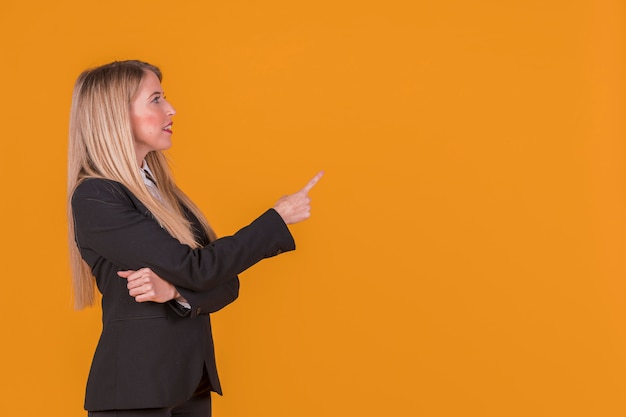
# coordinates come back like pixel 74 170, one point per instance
pixel 198 311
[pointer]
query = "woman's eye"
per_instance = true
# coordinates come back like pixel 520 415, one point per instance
pixel 156 99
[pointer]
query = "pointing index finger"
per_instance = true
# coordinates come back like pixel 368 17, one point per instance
pixel 312 182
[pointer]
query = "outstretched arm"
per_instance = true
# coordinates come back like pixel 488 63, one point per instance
pixel 112 224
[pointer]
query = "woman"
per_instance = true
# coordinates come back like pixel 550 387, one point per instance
pixel 155 259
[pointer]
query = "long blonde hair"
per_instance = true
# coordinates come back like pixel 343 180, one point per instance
pixel 101 145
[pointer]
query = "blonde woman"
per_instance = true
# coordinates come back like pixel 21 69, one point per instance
pixel 149 250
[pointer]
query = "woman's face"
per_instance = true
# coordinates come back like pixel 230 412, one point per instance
pixel 150 117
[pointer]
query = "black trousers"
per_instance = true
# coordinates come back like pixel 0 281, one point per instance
pixel 199 405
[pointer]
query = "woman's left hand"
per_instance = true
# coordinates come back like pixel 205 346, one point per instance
pixel 144 285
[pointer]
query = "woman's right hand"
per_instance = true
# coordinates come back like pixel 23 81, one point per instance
pixel 296 207
pixel 145 285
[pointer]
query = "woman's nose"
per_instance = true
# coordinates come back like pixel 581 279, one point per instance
pixel 170 109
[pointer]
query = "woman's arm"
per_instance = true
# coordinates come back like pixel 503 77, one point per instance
pixel 109 224
pixel 144 285
pixel 204 302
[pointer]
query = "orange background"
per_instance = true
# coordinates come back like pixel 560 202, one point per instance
pixel 466 251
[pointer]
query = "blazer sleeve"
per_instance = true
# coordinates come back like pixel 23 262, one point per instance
pixel 205 302
pixel 109 223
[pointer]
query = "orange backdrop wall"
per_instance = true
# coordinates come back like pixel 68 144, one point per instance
pixel 466 251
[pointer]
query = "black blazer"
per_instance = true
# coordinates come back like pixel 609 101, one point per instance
pixel 152 355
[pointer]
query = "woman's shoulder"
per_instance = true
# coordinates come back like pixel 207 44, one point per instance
pixel 99 188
